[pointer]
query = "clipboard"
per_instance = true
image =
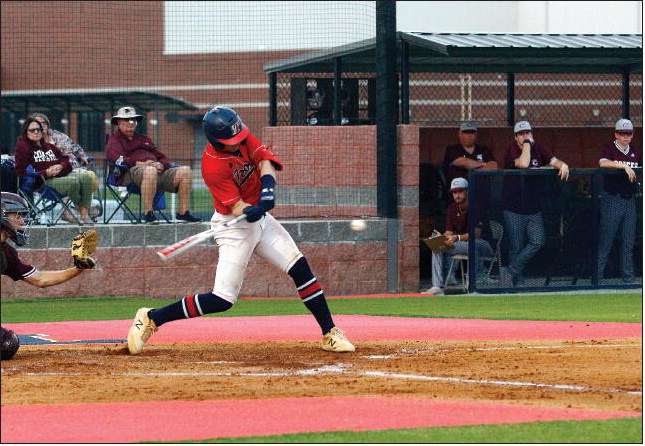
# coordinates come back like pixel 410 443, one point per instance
pixel 436 244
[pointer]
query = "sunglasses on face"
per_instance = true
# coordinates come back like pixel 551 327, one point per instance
pixel 36 130
pixel 625 133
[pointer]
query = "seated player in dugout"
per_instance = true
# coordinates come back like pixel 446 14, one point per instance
pixel 148 167
pixel 240 173
pixel 15 233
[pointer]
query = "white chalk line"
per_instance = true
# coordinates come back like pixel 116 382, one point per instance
pixel 497 382
pixel 342 368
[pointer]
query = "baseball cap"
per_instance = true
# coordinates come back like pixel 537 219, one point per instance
pixel 458 183
pixel 522 126
pixel 468 126
pixel 624 125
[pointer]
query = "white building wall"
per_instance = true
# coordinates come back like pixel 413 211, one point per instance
pixel 552 17
pixel 238 26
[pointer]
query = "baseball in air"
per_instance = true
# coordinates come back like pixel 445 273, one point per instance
pixel 358 225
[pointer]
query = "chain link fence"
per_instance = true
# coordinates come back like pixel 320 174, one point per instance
pixel 446 99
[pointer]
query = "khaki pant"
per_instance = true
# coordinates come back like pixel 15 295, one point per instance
pixel 165 180
pixel 77 186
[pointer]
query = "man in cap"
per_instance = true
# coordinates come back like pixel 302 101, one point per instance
pixel 522 198
pixel 147 166
pixel 457 235
pixel 466 154
pixel 618 206
pixel 14 232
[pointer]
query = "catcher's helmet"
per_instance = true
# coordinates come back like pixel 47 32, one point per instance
pixel 10 344
pixel 15 203
pixel 222 125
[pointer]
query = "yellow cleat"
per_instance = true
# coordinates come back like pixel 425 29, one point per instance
pixel 335 341
pixel 142 328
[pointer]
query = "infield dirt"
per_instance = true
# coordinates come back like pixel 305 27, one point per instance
pixel 603 375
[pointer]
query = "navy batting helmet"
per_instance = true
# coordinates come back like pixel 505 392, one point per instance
pixel 15 203
pixel 222 125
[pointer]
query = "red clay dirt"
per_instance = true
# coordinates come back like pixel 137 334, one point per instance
pixel 268 376
pixel 181 420
pixel 357 327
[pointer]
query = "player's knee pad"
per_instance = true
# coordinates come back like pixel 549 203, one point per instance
pixel 212 303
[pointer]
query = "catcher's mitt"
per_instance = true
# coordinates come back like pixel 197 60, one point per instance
pixel 83 245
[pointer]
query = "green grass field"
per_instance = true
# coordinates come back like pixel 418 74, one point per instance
pixel 619 307
pixel 610 307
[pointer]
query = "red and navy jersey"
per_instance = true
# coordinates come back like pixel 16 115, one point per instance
pixel 12 266
pixel 234 176
pixel 619 183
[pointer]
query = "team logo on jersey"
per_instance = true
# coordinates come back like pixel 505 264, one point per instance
pixel 242 174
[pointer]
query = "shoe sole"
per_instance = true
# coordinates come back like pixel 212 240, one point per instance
pixel 348 348
pixel 132 346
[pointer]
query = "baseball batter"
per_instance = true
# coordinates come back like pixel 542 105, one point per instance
pixel 15 227
pixel 618 206
pixel 240 173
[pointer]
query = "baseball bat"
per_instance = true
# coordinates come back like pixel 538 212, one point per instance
pixel 182 245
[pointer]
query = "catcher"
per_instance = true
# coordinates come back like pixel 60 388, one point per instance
pixel 15 232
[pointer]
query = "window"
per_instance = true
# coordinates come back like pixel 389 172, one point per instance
pixel 91 128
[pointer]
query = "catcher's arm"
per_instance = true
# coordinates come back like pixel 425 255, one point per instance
pixel 44 279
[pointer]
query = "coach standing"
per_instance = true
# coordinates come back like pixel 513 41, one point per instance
pixel 618 207
pixel 522 198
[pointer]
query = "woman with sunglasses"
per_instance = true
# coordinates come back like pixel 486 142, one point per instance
pixel 79 160
pixel 50 162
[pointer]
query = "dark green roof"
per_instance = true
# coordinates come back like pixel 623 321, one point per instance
pixel 107 100
pixel 491 53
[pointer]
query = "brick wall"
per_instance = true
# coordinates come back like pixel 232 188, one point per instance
pixel 344 261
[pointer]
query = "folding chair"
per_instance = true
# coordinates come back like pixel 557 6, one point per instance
pixel 114 171
pixel 497 230
pixel 43 200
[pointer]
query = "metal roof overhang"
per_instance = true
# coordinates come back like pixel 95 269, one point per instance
pixel 484 53
pixel 89 101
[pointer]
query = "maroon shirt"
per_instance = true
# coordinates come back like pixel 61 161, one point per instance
pixel 457 222
pixel 41 157
pixel 480 153
pixel 619 183
pixel 522 193
pixel 12 266
pixel 121 150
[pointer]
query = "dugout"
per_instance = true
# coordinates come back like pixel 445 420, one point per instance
pixel 508 54
pixel 574 85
